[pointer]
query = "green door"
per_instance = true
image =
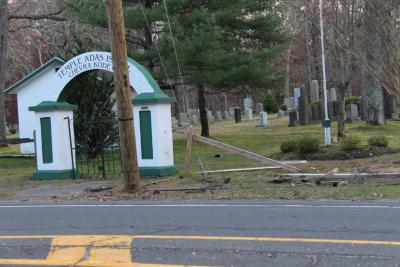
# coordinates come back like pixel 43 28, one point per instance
pixel 47 146
pixel 146 137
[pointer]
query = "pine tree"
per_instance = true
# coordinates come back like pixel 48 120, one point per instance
pixel 221 44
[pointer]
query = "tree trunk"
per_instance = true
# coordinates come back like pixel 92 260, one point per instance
pixel 205 131
pixel 374 96
pixel 3 53
pixel 341 111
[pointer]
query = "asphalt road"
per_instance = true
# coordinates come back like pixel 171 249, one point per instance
pixel 201 234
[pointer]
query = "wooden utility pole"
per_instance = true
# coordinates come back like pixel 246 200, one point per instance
pixel 123 94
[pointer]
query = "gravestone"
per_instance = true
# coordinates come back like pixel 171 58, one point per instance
pixel 210 116
pixel 218 116
pixel 287 102
pixel 303 111
pixel 248 114
pixel 333 94
pixel 247 103
pixel 352 112
pixel 238 115
pixel 263 119
pixel 174 122
pixel 292 118
pixel 280 113
pixel 259 108
pixel 292 104
pixel 231 111
pixel 226 115
pixel 314 91
pixel 194 119
pixel 296 95
pixel 182 119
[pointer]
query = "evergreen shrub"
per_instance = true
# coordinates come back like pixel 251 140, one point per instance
pixel 380 141
pixel 308 144
pixel 350 143
pixel 270 104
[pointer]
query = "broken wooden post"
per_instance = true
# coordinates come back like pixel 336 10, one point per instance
pixel 188 157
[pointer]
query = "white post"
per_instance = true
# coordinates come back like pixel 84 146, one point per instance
pixel 327 122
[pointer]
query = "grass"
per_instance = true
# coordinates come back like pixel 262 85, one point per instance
pixel 264 141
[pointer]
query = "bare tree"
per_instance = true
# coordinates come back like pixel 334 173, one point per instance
pixel 3 53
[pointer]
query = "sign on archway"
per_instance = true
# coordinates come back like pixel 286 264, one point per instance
pixel 152 108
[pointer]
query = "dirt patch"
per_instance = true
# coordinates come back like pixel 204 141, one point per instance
pixel 334 153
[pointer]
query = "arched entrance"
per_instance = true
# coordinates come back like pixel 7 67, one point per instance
pixel 152 109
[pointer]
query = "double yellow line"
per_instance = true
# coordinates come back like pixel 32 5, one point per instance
pixel 115 250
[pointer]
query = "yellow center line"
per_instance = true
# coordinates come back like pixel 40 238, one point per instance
pixel 115 250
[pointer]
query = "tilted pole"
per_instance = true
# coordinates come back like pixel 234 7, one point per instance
pixel 326 123
pixel 123 95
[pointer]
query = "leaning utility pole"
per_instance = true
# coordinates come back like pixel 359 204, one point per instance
pixel 123 94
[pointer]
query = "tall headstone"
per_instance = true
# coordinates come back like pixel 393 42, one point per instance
pixel 259 108
pixel 247 103
pixel 238 115
pixel 303 111
pixel 263 119
pixel 210 116
pixel 231 111
pixel 292 118
pixel 226 115
pixel 314 91
pixel 333 94
pixel 248 114
pixel 296 95
pixel 218 116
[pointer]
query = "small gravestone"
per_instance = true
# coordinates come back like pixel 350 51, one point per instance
pixel 259 108
pixel 218 116
pixel 210 116
pixel 352 112
pixel 314 91
pixel 280 113
pixel 247 103
pixel 248 114
pixel 174 122
pixel 226 115
pixel 238 115
pixel 292 118
pixel 263 119
pixel 296 95
pixel 194 119
pixel 333 94
pixel 182 119
pixel 287 102
pixel 231 111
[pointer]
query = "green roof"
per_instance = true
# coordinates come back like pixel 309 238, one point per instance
pixel 52 105
pixel 155 97
pixel 20 83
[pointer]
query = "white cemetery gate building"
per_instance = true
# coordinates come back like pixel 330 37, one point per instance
pixel 39 110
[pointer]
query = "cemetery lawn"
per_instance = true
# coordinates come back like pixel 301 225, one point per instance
pixel 15 173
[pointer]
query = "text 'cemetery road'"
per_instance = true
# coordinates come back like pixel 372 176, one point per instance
pixel 239 233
